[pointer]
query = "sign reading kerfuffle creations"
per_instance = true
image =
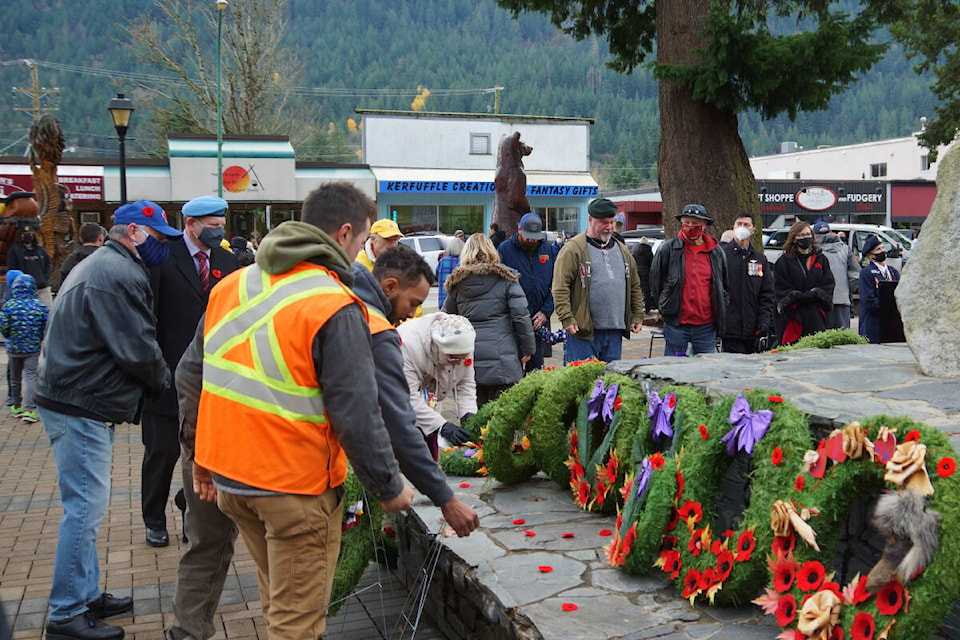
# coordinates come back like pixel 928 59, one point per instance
pixel 798 197
pixel 481 187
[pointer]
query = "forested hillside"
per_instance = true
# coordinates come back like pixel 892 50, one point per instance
pixel 363 46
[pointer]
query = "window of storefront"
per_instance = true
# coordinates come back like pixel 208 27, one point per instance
pixel 438 218
pixel 559 219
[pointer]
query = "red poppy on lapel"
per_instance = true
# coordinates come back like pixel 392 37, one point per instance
pixel 216 274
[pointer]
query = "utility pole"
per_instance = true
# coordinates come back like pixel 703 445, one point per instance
pixel 496 98
pixel 35 92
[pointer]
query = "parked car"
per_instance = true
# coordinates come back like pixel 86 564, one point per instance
pixel 430 246
pixel 653 234
pixel 856 235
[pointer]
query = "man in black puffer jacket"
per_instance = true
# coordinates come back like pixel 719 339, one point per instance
pixel 752 295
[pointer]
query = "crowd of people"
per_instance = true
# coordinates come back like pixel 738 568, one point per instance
pixel 256 370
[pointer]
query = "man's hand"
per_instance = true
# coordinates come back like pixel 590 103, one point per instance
pixel 635 327
pixel 460 516
pixel 454 434
pixel 573 328
pixel 401 503
pixel 203 484
pixel 525 359
pixel 539 319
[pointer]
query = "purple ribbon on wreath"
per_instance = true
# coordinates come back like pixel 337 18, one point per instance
pixel 601 401
pixel 661 412
pixel 643 478
pixel 748 426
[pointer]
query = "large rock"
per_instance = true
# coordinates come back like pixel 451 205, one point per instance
pixel 929 290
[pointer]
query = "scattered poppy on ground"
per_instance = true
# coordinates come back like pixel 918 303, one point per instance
pixel 529 533
pixel 605 532
pixel 545 568
pixel 786 610
pixel 745 545
pixel 912 436
pixel 777 456
pixel 890 598
pixel 863 626
pixel 656 461
pixel 799 484
pixel 566 535
pixel 774 398
pixel 464 485
pixel 810 576
pixel 946 467
pixel 519 521
pixel 568 606
pixel 704 433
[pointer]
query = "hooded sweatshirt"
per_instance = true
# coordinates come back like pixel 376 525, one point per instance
pixel 12 275
pixel 23 318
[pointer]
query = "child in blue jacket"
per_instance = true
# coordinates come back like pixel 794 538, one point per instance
pixel 23 320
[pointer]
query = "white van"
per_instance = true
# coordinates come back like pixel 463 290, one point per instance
pixel 896 246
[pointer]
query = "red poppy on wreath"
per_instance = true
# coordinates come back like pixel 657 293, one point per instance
pixel 691 511
pixel 618 404
pixel 863 626
pixel 609 472
pixel 716 547
pixel 672 400
pixel 799 484
pixel 543 259
pixel 708 579
pixel 784 545
pixel 784 573
pixel 696 542
pixel 468 362
pixel 216 273
pixel 912 436
pixel 656 461
pixel 858 593
pixel 691 583
pixel 583 493
pixel 745 545
pixel 811 576
pixel 724 564
pixel 946 467
pixel 777 456
pixel 680 486
pixel 786 610
pixel 669 542
pixel 704 432
pixel 890 598
pixel 147 211
pixel 670 563
pixel 727 534
pixel 674 519
pixel 775 399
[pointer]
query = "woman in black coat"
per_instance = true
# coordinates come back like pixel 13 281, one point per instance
pixel 804 286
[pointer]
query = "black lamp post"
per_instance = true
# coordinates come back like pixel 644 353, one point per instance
pixel 121 108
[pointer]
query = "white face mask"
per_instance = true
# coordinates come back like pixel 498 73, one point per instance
pixel 741 233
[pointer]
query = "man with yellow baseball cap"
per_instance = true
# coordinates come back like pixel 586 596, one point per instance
pixel 383 233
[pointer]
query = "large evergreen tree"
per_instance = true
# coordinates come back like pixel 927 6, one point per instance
pixel 716 59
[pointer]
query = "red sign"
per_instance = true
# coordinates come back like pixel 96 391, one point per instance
pixel 81 188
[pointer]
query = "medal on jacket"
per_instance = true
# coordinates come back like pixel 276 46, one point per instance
pixel 583 275
pixel 754 268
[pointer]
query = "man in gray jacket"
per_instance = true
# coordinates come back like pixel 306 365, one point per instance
pixel 845 270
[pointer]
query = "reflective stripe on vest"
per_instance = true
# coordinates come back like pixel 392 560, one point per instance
pixel 269 387
pixel 377 321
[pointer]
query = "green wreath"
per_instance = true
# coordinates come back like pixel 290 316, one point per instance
pixel 649 513
pixel 802 571
pixel 462 461
pixel 506 445
pixel 722 565
pixel 554 413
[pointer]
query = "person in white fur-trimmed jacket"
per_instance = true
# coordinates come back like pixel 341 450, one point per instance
pixel 438 363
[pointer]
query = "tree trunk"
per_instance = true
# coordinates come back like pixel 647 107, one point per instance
pixel 701 158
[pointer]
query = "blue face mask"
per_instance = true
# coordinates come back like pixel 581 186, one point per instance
pixel 152 251
pixel 210 237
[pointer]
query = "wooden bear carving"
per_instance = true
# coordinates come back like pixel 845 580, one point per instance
pixel 510 183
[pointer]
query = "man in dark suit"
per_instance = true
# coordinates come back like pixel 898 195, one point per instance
pixel 181 287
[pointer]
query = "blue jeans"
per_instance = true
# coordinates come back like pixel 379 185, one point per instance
pixel 606 345
pixel 703 337
pixel 82 450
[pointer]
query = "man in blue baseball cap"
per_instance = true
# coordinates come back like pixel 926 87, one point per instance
pixel 99 357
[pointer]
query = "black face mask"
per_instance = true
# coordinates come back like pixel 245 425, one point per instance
pixel 804 243
pixel 880 257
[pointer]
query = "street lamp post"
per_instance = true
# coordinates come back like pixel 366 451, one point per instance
pixel 221 5
pixel 121 108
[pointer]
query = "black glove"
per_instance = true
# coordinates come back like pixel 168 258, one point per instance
pixel 465 417
pixel 454 434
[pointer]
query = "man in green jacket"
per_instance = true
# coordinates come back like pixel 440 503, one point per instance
pixel 596 291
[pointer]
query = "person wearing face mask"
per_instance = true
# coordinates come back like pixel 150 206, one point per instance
pixel 99 358
pixel 689 283
pixel 845 269
pixel 31 258
pixel 596 290
pixel 181 286
pixel 804 286
pixel 750 309
pixel 873 277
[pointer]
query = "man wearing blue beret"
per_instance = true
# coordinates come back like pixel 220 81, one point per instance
pixel 99 358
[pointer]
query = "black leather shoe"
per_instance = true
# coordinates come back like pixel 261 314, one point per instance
pixel 157 537
pixel 82 627
pixel 181 501
pixel 107 606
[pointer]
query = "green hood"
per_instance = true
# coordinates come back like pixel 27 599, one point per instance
pixel 294 242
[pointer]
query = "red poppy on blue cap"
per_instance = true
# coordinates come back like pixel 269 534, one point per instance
pixel 146 213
